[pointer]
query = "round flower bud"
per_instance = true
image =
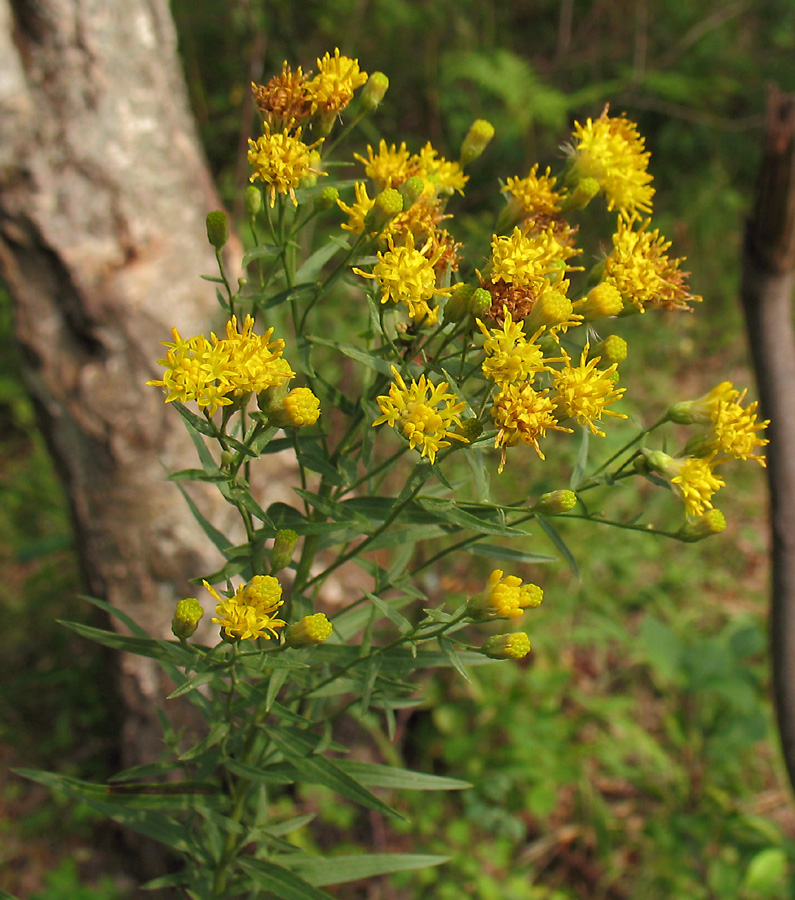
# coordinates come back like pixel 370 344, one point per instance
pixel 217 228
pixel 712 522
pixel 550 309
pixel 457 306
pixel 479 303
pixel 602 301
pixel 253 200
pixel 477 139
pixel 327 198
pixel 585 190
pixel 411 190
pixel 309 630
pixel 507 646
pixel 283 549
pixel 373 92
pixel 613 349
pixel 504 597
pixel 186 618
pixel 385 207
pixel 300 407
pixel 471 429
pixel 555 502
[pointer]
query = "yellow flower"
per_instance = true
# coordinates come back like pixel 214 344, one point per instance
pixel 505 597
pixel 251 611
pixel 536 195
pixel 332 88
pixel 702 410
pixel 507 646
pixel 281 160
pixel 358 211
pixel 424 412
pixel 254 362
pixel 309 630
pixel 642 272
pixel 407 276
pixel 195 369
pixel 389 167
pixel 734 429
pixel 584 392
pixel 611 151
pixel 300 407
pixel 283 101
pixel 521 413
pixel 445 176
pixel 522 259
pixel 691 477
pixel 510 358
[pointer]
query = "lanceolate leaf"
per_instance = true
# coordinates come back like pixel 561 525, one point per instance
pixel 281 882
pixel 375 775
pixel 297 748
pixel 323 870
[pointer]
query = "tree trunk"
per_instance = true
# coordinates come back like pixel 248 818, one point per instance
pixel 767 286
pixel 103 193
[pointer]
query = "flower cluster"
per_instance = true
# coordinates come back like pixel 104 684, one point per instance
pixel 504 597
pixel 252 611
pixel 215 372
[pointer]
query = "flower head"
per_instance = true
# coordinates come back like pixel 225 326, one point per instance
pixel 283 101
pixel 254 362
pixel 691 477
pixel 505 597
pixel 308 631
pixel 535 196
pixel 507 646
pixel 407 276
pixel 510 357
pixel 186 618
pixel 300 407
pixel 611 151
pixel 445 176
pixel 584 392
pixel 734 429
pixel 281 160
pixel 521 413
pixel 389 167
pixel 424 412
pixel 641 270
pixel 251 612
pixel 331 90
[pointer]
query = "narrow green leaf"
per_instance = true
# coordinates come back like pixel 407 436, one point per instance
pixel 287 294
pixel 199 423
pixel 492 551
pixel 298 749
pixel 554 535
pixel 154 649
pixel 258 252
pixel 386 609
pixel 281 882
pixel 578 473
pixel 217 733
pixel 178 879
pixel 323 870
pixel 449 650
pixel 376 775
pixel 220 541
pixel 367 359
pixel 192 683
pixel 197 475
pixel 311 268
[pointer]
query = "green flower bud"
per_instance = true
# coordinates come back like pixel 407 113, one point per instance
pixel 309 630
pixel 411 190
pixel 457 306
pixel 712 522
pixel 186 618
pixel 253 200
pixel 327 198
pixel 479 303
pixel 471 429
pixel 283 549
pixel 385 207
pixel 373 92
pixel 551 308
pixel 217 228
pixel 581 196
pixel 477 139
pixel 602 301
pixel 555 502
pixel 613 349
pixel 507 646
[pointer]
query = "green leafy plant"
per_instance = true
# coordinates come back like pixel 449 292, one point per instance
pixel 452 365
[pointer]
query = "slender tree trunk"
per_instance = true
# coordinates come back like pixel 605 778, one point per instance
pixel 103 193
pixel 767 288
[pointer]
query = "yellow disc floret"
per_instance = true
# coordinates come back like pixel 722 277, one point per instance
pixel 281 160
pixel 251 612
pixel 584 392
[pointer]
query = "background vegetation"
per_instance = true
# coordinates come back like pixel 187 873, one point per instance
pixel 635 755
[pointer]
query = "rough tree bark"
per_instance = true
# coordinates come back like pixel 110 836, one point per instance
pixel 767 289
pixel 103 193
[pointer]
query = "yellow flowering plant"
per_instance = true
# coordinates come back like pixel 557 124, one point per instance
pixel 457 362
